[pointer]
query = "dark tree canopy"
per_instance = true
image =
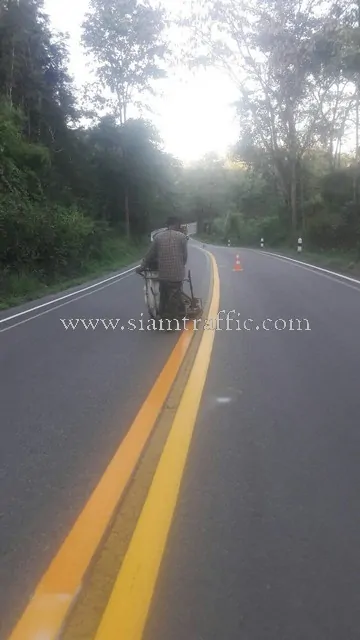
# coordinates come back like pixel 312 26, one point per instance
pixel 66 188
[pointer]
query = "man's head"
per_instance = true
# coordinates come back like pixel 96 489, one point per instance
pixel 173 222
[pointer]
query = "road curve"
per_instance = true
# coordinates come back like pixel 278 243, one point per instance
pixel 67 398
pixel 265 541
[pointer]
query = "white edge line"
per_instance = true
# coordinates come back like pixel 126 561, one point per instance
pixel 63 304
pixel 68 295
pixel 74 293
pixel 312 266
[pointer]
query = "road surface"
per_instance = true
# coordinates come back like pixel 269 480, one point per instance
pixel 264 543
pixel 67 399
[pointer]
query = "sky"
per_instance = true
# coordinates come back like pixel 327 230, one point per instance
pixel 193 114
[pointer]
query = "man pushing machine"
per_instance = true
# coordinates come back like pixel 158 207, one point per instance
pixel 168 256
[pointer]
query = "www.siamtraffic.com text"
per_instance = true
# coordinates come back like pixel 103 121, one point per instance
pixel 223 321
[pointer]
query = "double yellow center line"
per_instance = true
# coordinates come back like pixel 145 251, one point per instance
pixel 126 613
pixel 127 610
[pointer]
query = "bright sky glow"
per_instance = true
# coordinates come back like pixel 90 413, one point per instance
pixel 194 115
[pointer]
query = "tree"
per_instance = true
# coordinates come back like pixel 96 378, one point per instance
pixel 33 74
pixel 64 187
pixel 125 38
pixel 267 47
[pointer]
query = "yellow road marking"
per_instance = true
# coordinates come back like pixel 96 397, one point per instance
pixel 127 610
pixel 45 614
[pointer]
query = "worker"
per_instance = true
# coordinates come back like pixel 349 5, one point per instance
pixel 168 253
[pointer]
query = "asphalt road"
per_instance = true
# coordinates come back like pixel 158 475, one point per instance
pixel 67 399
pixel 265 541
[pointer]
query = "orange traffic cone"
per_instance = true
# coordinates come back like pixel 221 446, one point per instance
pixel 237 266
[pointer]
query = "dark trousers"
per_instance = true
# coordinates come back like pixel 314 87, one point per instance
pixel 171 304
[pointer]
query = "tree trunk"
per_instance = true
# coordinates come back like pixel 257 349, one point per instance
pixel 11 78
pixel 293 199
pixel 340 151
pixel 302 199
pixel 127 213
pixel 293 155
pixel 332 155
pixel 356 180
pixel 355 184
pixel 127 207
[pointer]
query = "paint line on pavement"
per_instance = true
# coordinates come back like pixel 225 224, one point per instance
pixel 56 592
pixel 68 295
pixel 126 614
pixel 311 267
pixel 63 304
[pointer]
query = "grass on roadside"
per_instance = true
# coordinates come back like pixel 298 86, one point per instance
pixel 346 262
pixel 213 239
pixel 24 287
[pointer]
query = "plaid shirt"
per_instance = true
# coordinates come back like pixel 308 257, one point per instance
pixel 169 250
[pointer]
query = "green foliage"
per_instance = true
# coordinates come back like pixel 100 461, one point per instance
pixel 249 231
pixel 21 162
pixel 48 241
pixel 116 252
pixel 67 191
pixel 126 41
pixel 33 72
pixel 297 69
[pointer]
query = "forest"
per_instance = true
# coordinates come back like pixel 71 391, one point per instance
pixel 82 184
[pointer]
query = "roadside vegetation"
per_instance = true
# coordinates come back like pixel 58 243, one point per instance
pixel 82 184
pixel 295 168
